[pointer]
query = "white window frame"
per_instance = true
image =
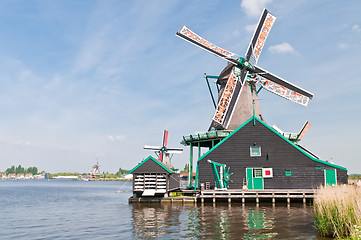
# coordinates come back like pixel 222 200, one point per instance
pixel 264 172
pixel 252 155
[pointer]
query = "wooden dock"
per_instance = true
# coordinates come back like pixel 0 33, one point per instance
pixel 256 196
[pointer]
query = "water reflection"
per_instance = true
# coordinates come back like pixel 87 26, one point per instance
pixel 172 221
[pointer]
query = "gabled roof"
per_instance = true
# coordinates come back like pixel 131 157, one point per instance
pixel 253 118
pixel 150 158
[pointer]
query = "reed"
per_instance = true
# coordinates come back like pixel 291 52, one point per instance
pixel 338 211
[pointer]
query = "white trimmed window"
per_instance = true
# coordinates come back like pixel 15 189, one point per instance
pixel 255 151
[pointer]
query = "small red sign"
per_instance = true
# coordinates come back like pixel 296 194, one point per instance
pixel 267 173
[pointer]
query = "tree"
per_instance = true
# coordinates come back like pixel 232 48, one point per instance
pixel 121 172
pixel 32 170
pixel 20 170
pixel 10 170
pixel 186 169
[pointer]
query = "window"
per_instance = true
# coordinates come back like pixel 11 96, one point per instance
pixel 318 167
pixel 288 173
pixel 257 172
pixel 255 151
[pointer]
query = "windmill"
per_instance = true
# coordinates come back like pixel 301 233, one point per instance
pixel 164 153
pixel 237 96
pixel 95 171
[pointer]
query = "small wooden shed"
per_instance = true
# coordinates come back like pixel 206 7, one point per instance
pixel 152 178
pixel 261 158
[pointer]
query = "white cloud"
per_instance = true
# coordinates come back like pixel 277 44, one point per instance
pixel 251 27
pixel 116 138
pixel 21 143
pixel 254 8
pixel 356 28
pixel 282 48
pixel 342 46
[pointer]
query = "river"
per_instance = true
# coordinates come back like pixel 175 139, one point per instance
pixel 65 209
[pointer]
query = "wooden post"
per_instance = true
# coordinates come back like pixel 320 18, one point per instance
pixel 288 199
pixel 304 199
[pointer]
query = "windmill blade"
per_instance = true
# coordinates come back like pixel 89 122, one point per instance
pixel 280 86
pixel 195 39
pixel 229 96
pixel 165 138
pixel 304 129
pixel 260 35
pixel 177 151
pixel 154 148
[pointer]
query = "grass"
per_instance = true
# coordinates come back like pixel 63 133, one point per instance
pixel 338 211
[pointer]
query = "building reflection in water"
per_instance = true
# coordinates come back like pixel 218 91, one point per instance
pixel 176 221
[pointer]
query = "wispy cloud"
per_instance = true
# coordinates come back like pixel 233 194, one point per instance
pixel 356 28
pixel 282 48
pixel 251 27
pixel 118 138
pixel 21 143
pixel 253 8
pixel 342 46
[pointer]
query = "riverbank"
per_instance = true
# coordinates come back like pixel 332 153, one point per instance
pixel 338 211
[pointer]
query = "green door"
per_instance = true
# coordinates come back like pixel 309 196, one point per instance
pixel 254 178
pixel 330 177
pixel 249 178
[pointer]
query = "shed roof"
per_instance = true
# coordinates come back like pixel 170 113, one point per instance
pixel 150 158
pixel 253 118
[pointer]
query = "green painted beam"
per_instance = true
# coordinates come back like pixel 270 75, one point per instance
pixel 210 90
pixel 190 174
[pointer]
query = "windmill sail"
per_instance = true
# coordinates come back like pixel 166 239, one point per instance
pixel 195 39
pixel 260 35
pixel 304 129
pixel 227 96
pixel 155 148
pixel 280 86
pixel 235 104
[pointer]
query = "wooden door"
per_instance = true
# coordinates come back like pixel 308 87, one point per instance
pixel 330 177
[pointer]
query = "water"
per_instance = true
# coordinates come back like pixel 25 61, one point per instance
pixel 64 209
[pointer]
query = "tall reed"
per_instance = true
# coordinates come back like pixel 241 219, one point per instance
pixel 338 211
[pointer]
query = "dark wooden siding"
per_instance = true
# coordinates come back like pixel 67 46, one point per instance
pixel 174 181
pixel 277 154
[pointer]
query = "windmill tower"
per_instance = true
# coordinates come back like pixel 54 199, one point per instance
pixel 164 153
pixel 95 171
pixel 237 97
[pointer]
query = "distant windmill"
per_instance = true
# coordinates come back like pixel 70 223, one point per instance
pixel 237 81
pixel 164 153
pixel 95 171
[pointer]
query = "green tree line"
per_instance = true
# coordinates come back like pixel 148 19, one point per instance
pixel 21 170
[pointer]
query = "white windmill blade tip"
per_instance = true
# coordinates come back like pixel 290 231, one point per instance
pixel 174 151
pixel 180 149
pixel 152 147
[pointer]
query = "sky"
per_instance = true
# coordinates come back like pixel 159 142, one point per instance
pixel 82 81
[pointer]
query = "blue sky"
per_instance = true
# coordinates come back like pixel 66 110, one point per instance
pixel 81 80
